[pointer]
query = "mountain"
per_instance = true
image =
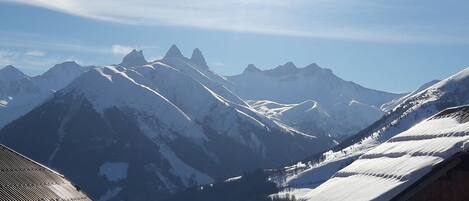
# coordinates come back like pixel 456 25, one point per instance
pixel 20 93
pixel 450 92
pixel 421 163
pixel 310 117
pixel 145 131
pixel 388 107
pixel 134 58
pixel 349 106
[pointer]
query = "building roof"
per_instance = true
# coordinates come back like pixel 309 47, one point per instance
pixel 385 171
pixel 24 179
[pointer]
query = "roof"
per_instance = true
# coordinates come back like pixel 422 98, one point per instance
pixel 390 168
pixel 24 179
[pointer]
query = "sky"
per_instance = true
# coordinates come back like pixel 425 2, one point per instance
pixel 387 45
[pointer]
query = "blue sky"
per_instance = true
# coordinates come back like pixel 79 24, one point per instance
pixel 388 45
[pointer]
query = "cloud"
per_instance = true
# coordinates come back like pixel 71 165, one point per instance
pixel 121 50
pixel 35 53
pixel 7 57
pixel 29 61
pixel 331 19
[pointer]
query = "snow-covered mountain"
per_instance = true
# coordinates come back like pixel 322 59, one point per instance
pixel 20 93
pixel 145 130
pixel 403 162
pixel 348 107
pixel 450 92
pixel 388 107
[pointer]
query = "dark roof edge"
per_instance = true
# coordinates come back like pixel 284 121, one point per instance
pixel 437 171
pixel 25 157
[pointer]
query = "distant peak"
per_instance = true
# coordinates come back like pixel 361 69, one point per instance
pixel 68 63
pixel 10 72
pixel 173 52
pixel 9 68
pixel 313 65
pixel 198 58
pixel 289 65
pixel 287 68
pixel 134 58
pixel 251 68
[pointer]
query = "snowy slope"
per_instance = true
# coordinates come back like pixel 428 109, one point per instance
pixel 19 93
pixel 310 117
pixel 197 69
pixel 385 171
pixel 450 92
pixel 388 107
pixel 17 90
pixel 166 124
pixel 350 106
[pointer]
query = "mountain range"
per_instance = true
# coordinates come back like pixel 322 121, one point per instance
pixel 167 124
pixel 19 93
pixel 142 128
pixel 344 107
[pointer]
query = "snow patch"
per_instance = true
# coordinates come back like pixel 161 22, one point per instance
pixel 114 171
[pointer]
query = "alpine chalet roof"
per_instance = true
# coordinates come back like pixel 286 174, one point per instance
pixel 24 179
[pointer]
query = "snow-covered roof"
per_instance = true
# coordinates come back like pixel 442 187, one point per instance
pixel 23 179
pixel 387 170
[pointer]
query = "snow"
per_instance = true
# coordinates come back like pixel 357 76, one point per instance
pixel 182 170
pixel 233 179
pixel 114 171
pixel 423 104
pixel 146 103
pixel 383 172
pixel 20 93
pixel 388 107
pixel 312 118
pixel 345 107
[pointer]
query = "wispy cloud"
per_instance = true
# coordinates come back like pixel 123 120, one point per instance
pixel 35 53
pixel 27 60
pixel 298 18
pixel 7 57
pixel 121 49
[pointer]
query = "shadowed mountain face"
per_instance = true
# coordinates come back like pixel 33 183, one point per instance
pixel 143 131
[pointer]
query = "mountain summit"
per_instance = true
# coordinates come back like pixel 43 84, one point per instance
pixel 198 58
pixel 173 52
pixel 134 58
pixel 10 73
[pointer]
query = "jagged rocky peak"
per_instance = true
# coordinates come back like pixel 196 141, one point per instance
pixel 173 52
pixel 251 68
pixel 134 58
pixel 315 68
pixel 285 69
pixel 198 58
